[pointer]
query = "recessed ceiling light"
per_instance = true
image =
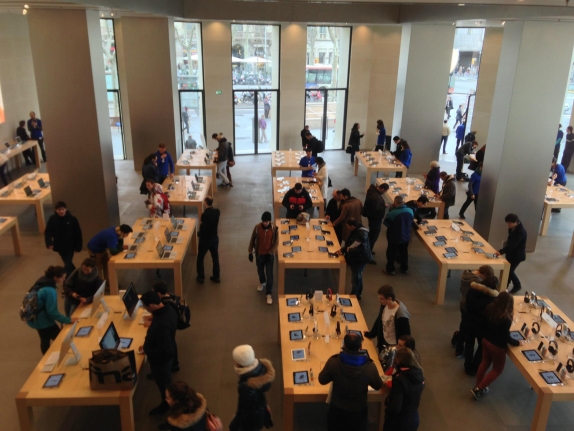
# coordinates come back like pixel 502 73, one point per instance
pixel 461 4
pixel 503 22
pixel 24 11
pixel 112 14
pixel 26 6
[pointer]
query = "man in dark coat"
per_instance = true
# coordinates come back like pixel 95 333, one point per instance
pixel 398 223
pixel 514 249
pixel 333 211
pixel 63 235
pixel 304 139
pixel 374 210
pixel 208 241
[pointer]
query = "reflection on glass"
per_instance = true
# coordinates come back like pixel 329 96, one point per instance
pixel 116 124
pixel 188 55
pixel 254 56
pixel 255 121
pixel 109 54
pixel 191 116
pixel 565 118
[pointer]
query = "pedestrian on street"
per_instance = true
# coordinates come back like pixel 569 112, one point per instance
pixel 262 127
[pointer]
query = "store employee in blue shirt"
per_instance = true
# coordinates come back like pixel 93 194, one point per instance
pixel 558 174
pixel 307 164
pixel 164 163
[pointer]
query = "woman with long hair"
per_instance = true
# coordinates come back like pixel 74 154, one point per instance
pixel 402 404
pixel 355 140
pixel 381 136
pixel 498 319
pixel 187 408
pixel 149 172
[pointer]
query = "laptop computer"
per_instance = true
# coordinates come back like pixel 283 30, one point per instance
pixel 178 224
pixel 43 184
pixel 164 254
pixel 198 179
pixel 30 193
pixel 172 237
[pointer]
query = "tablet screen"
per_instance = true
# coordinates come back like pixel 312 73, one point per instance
pixel 325 232
pixel 478 250
pixel 516 335
pixel 296 249
pixel 532 355
pixel 84 331
pixel 491 255
pixel 139 240
pixel 323 222
pixel 53 381
pixel 319 237
pixel 293 227
pixel 550 377
pixel 294 237
pixel 451 250
pixel 450 255
pixel 431 228
pixel 174 233
pixel 283 232
pixel 353 331
pixel 349 317
pixel 478 243
pixel 466 238
pixel 439 243
pixel 125 343
pixel 316 227
pixel 468 233
pixel 323 249
pixel 558 319
pixel 287 254
pixel 298 354
pixel 440 238
pixel 330 243
pixel 333 255
pixel 345 302
pixel 167 247
pixel 284 221
pixel 294 317
pixel 423 222
pixel 129 256
pixel 286 242
pixel 300 377
pixel 292 302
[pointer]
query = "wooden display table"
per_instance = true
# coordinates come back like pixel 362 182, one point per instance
pixel 11 224
pixel 320 352
pixel 561 198
pixel 15 151
pixel 571 253
pixel 195 159
pixel 530 370
pixel 412 191
pixel 75 387
pixel 18 197
pixel 377 163
pixel 281 185
pixel 147 256
pixel 466 259
pixel 178 194
pixel 285 161
pixel 310 257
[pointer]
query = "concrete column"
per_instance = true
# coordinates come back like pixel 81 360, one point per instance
pixel 17 82
pixel 486 82
pixel 386 47
pixel 424 64
pixel 359 80
pixel 149 54
pixel 217 76
pixel 67 52
pixel 127 125
pixel 527 101
pixel 292 85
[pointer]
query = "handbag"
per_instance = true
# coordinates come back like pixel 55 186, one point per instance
pixel 112 369
pixel 212 422
pixel 349 149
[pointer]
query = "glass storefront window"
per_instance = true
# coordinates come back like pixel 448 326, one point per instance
pixel 188 56
pixel 326 83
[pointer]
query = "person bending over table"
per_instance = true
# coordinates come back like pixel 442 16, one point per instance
pixel 111 239
pixel 296 200
pixel 81 285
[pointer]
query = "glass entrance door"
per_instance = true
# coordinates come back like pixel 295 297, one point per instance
pixel 255 118
pixel 325 115
pixel 116 124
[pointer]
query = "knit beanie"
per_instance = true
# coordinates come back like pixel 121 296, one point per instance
pixel 244 355
pixel 266 216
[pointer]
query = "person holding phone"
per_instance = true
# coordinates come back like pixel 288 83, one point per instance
pixel 296 200
pixel 496 331
pixel 47 316
pixel 81 285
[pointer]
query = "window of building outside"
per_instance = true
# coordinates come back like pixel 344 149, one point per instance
pixel 463 79
pixel 113 87
pixel 566 117
pixel 326 83
pixel 189 69
pixel 255 75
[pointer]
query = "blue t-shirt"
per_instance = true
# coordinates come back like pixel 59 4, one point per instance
pixel 460 131
pixel 382 137
pixel 559 136
pixel 107 238
pixel 306 162
pixel 560 174
pixel 164 164
pixel 475 183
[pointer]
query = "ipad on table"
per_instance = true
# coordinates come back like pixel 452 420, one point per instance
pixel 301 377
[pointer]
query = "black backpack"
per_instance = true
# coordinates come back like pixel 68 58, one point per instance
pixel 182 309
pixel 319 146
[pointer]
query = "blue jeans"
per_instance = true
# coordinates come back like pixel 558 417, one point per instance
pixel 265 271
pixel 357 279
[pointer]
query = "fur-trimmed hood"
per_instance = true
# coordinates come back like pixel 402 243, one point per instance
pixel 258 381
pixel 484 289
pixel 187 420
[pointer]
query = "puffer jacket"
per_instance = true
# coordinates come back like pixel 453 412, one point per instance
pixel 448 192
pixel 190 421
pixel 252 403
pixel 515 248
pixel 292 198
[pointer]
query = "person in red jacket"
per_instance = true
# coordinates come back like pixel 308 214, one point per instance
pixel 296 201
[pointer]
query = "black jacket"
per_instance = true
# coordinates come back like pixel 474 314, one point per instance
pixel 465 149
pixel 333 210
pixel 478 298
pixel 402 326
pixel 63 233
pixel 417 217
pixel 159 344
pixel 499 333
pixel 252 403
pixel 83 285
pixel 470 137
pixel 374 207
pixel 402 404
pixel 209 223
pixel 351 373
pixel 149 172
pixel 22 134
pixel 304 139
pixel 292 198
pixel 190 421
pixel 313 144
pixel 515 248
pixel 355 139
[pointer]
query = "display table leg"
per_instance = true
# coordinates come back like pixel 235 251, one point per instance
pixel 16 239
pixel 214 179
pixel 356 171
pixel 288 410
pixel 281 278
pixel 113 278
pixel 504 277
pixel 37 156
pixel 440 215
pixel 276 209
pixel 177 278
pixel 571 253
pixel 322 211
pixel 542 410
pixel 25 413
pixel 368 179
pixel 342 277
pixel 194 240
pixel 441 284
pixel 40 216
pixel 545 219
pixel 127 411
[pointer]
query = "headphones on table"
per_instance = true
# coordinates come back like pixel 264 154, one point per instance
pixel 333 311
pixel 570 366
pixel 526 298
pixel 559 329
pixel 329 295
pixel 535 328
pixel 553 349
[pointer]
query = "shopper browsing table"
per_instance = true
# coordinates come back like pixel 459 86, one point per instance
pixel 296 200
pixel 111 239
pixel 357 253
pixel 81 285
pixel 514 249
pixel 165 165
pixel 35 129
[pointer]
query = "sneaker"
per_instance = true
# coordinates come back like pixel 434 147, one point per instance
pixel 387 272
pixel 215 280
pixel 485 390
pixel 476 393
pixel 200 279
pixel 260 287
pixel 462 217
pixel 159 410
pixel 459 354
pixel 269 299
pixel 514 289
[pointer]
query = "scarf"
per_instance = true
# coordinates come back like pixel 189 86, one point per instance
pixel 244 370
